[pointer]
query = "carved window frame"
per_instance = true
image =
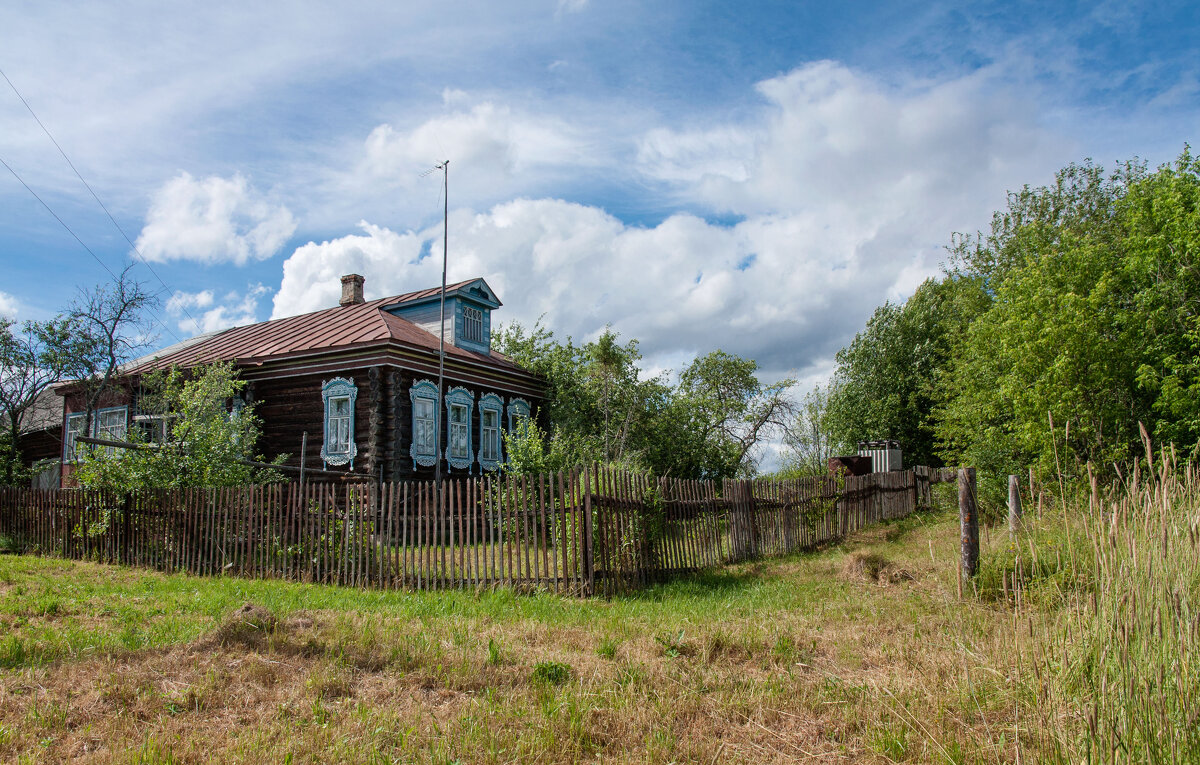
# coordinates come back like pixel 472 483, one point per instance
pixel 517 407
pixel 343 452
pixel 490 402
pixel 459 397
pixel 424 390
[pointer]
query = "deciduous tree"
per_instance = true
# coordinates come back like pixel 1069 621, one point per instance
pixel 200 432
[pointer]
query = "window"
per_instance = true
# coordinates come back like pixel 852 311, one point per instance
pixel 425 418
pixel 460 429
pixel 459 403
pixel 518 408
pixel 338 430
pixel 155 428
pixel 109 424
pixel 74 428
pixel 490 407
pixel 338 447
pixel 472 324
pixel 424 395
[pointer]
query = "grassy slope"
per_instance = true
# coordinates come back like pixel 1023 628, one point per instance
pixel 804 657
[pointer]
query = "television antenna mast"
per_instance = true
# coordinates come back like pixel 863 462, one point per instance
pixel 444 166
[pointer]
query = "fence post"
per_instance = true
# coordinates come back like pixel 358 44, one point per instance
pixel 589 559
pixel 969 522
pixel 1014 504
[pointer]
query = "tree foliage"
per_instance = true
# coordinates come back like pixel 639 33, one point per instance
pixel 33 356
pixel 809 441
pixel 599 407
pixel 887 381
pixel 205 437
pixel 1049 339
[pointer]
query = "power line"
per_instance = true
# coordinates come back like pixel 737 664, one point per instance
pixel 87 186
pixel 60 220
pixel 77 239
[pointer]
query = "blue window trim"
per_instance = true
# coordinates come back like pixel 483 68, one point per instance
pixel 426 390
pixel 484 343
pixel 462 397
pixel 338 388
pixel 491 402
pixel 68 444
pixel 518 407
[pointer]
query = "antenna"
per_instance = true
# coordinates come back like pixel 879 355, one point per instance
pixel 437 432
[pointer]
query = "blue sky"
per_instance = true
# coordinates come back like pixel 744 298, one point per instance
pixel 751 176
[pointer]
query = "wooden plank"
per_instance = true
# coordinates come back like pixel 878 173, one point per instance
pixel 490 553
pixel 405 519
pixel 589 549
pixel 509 527
pixel 544 529
pixel 563 537
pixel 522 508
pixel 426 548
pixel 456 539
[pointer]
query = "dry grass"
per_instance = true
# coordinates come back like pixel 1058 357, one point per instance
pixel 805 658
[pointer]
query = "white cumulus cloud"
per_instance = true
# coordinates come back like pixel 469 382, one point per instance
pixel 844 190
pixel 8 305
pixel 197 312
pixel 213 220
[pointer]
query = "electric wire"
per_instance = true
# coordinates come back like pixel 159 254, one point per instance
pixel 88 186
pixel 82 244
pixel 57 218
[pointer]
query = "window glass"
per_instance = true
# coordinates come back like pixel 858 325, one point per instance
pixel 459 446
pixel 155 428
pixel 338 432
pixel 491 434
pixel 110 425
pixel 473 324
pixel 74 428
pixel 423 425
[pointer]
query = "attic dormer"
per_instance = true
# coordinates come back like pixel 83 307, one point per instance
pixel 469 307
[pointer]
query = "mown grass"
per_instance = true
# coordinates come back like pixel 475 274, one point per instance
pixel 858 652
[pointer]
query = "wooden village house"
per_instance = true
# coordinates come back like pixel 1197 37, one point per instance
pixel 360 379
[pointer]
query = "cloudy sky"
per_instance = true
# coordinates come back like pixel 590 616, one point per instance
pixel 754 176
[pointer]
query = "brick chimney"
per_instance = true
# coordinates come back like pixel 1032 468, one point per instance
pixel 352 289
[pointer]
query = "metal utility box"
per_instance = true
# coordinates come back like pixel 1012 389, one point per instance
pixel 885 455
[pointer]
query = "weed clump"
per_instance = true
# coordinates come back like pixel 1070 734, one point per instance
pixel 553 672
pixel 248 627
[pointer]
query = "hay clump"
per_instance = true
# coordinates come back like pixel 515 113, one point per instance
pixel 248 627
pixel 873 568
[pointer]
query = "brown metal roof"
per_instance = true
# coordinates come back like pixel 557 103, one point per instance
pixel 339 328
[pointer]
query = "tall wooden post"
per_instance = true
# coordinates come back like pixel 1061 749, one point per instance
pixel 969 521
pixel 1014 504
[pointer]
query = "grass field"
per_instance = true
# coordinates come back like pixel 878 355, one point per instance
pixel 860 652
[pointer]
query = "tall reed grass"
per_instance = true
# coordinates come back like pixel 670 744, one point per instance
pixel 1114 675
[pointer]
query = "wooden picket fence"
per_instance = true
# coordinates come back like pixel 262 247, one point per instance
pixel 583 531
